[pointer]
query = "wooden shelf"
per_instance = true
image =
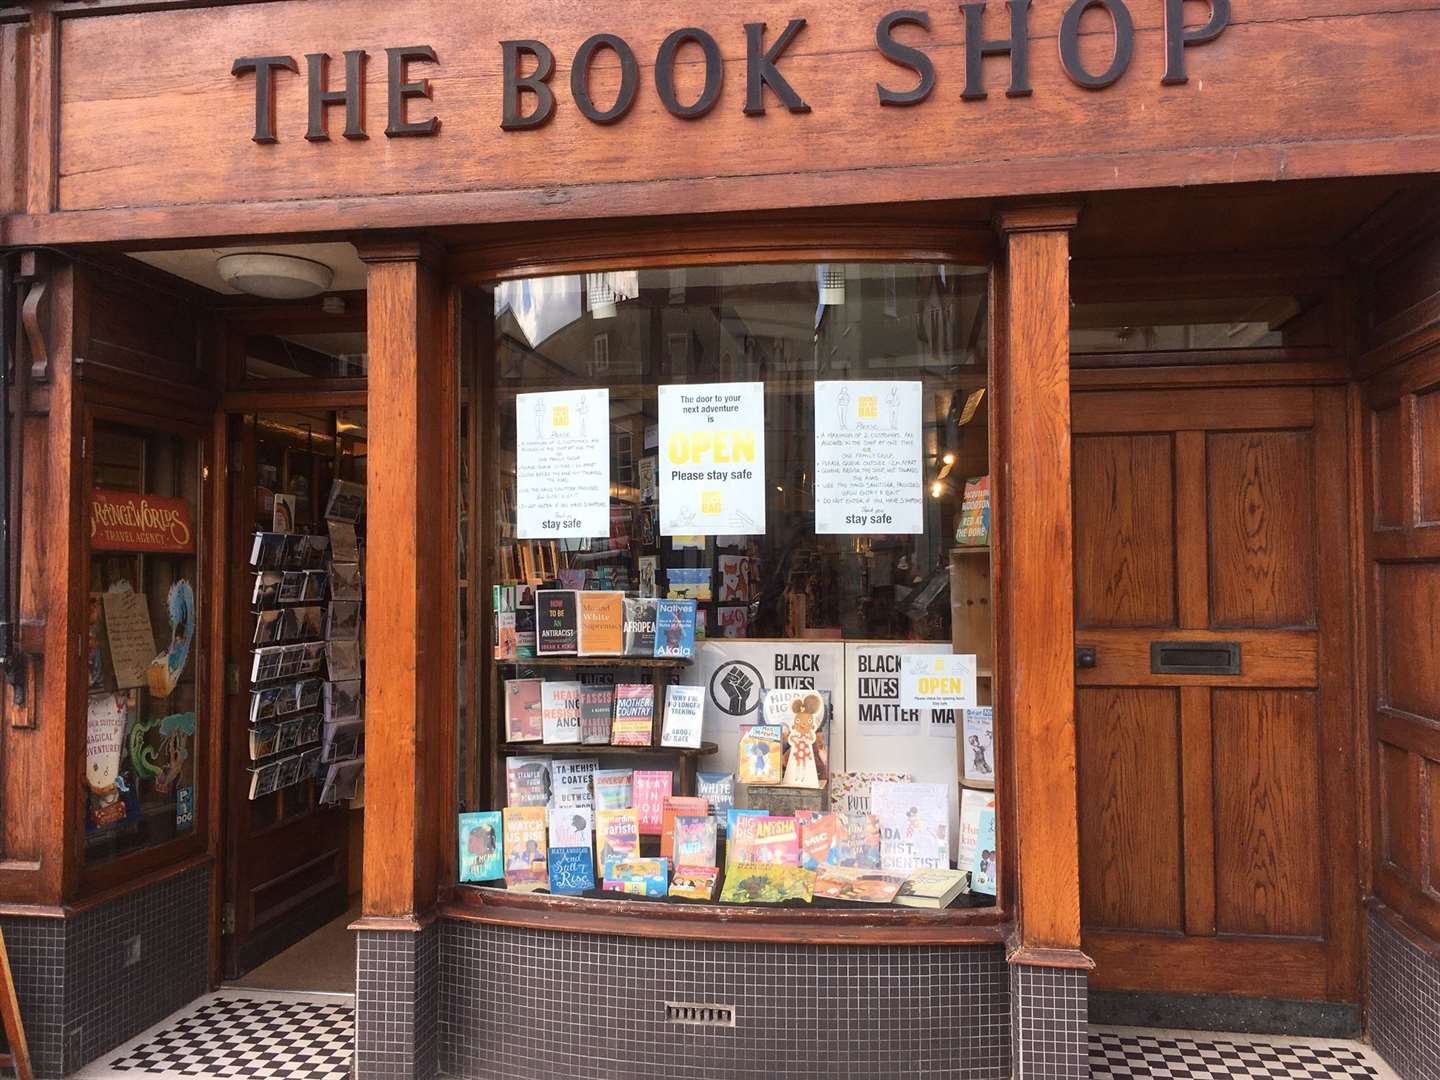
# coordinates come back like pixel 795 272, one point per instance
pixel 970 549
pixel 601 661
pixel 580 749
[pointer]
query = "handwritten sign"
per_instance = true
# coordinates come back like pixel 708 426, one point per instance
pixel 562 464
pixel 868 476
pixel 126 521
pixel 132 640
pixel 712 459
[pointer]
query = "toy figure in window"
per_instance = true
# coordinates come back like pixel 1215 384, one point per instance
pixel 164 671
pixel 804 732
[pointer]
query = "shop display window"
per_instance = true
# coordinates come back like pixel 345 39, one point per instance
pixel 144 716
pixel 735 640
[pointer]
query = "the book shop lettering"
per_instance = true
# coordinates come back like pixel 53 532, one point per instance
pixel 528 68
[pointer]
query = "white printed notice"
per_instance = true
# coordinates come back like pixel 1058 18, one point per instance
pixel 712 459
pixel 562 464
pixel 868 475
pixel 937 682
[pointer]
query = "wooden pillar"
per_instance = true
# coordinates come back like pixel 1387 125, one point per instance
pixel 1036 578
pixel 410 586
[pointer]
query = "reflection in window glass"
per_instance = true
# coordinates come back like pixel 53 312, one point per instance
pixel 1176 324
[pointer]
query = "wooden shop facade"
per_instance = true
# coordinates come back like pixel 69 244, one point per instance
pixel 1146 291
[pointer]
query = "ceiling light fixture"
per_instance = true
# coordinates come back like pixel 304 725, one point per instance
pixel 275 277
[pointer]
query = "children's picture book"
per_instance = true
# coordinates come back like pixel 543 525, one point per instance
pixel 634 888
pixel 527 781
pixel 648 791
pixel 639 627
pixel 985 869
pixel 572 870
pixel 694 882
pixel 972 804
pixel 857 841
pixel 560 712
pixel 653 874
pixel 597 707
pixel 739 579
pixel 766 883
pixel 764 838
pixel 978 753
pixel 572 826
pixel 617 836
pixel 570 783
pixel 634 721
pixel 674 627
pixel 914 825
pixel 525 846
pixel 973 528
pixel 481 852
pixel 602 621
pixel 733 815
pixel 684 713
pixel 557 622
pixel 687 583
pixel 671 807
pixel 850 791
pixel 817 836
pixel 693 840
pixel 718 790
pixel 761 761
pixel 853 883
pixel 612 789
pixel 926 888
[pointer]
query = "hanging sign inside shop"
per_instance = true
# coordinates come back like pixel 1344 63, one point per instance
pixel 562 464
pixel 126 521
pixel 937 682
pixel 528 68
pixel 868 475
pixel 712 459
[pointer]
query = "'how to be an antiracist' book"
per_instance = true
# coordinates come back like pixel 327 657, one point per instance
pixel 557 622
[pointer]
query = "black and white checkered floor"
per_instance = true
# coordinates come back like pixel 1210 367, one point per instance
pixel 284 1036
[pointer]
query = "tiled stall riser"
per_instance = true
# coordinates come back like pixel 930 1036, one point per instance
pixel 518 1003
pixel 1404 1019
pixel 89 982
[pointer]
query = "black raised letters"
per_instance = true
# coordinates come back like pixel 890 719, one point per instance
pixel 537 82
pixel 353 96
pixel 264 90
pixel 760 69
pixel 580 78
pixel 906 56
pixel 401 91
pixel 1017 45
pixel 1070 43
pixel 1177 38
pixel 665 73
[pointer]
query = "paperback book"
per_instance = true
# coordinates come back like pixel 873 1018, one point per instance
pixel 481 854
pixel 653 874
pixel 761 759
pixel 914 825
pixel 560 712
pixel 764 838
pixel 673 806
pixel 612 789
pixel 766 883
pixel 617 836
pixel 983 874
pixel 571 783
pixel 634 714
pixel 527 781
pixel 973 528
pixel 926 888
pixel 850 791
pixel 557 622
pixel 972 805
pixel 693 840
pixel 572 870
pixel 854 883
pixel 978 754
pixel 694 882
pixel 687 582
pixel 602 619
pixel 857 841
pixel 571 827
pixel 525 845
pixel 817 837
pixel 684 712
pixel 674 628
pixel 718 790
pixel 597 706
pixel 639 626
pixel 649 790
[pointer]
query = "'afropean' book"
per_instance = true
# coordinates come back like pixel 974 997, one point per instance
pixel 639 626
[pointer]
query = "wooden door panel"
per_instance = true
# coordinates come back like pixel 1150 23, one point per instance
pixel 1124 531
pixel 1410 624
pixel 1262 529
pixel 1130 843
pixel 1390 456
pixel 1267 813
pixel 1427 428
pixel 1279 658
pixel 1399 776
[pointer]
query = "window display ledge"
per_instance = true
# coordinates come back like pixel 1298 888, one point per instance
pixel 697 921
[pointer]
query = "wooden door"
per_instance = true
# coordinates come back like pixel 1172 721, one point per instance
pixel 1217 811
pixel 286 858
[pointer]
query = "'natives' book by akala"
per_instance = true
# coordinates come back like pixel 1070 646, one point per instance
pixel 525 847
pixel 674 627
pixel 634 714
pixel 481 857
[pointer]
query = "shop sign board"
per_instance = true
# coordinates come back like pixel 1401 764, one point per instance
pixel 127 521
